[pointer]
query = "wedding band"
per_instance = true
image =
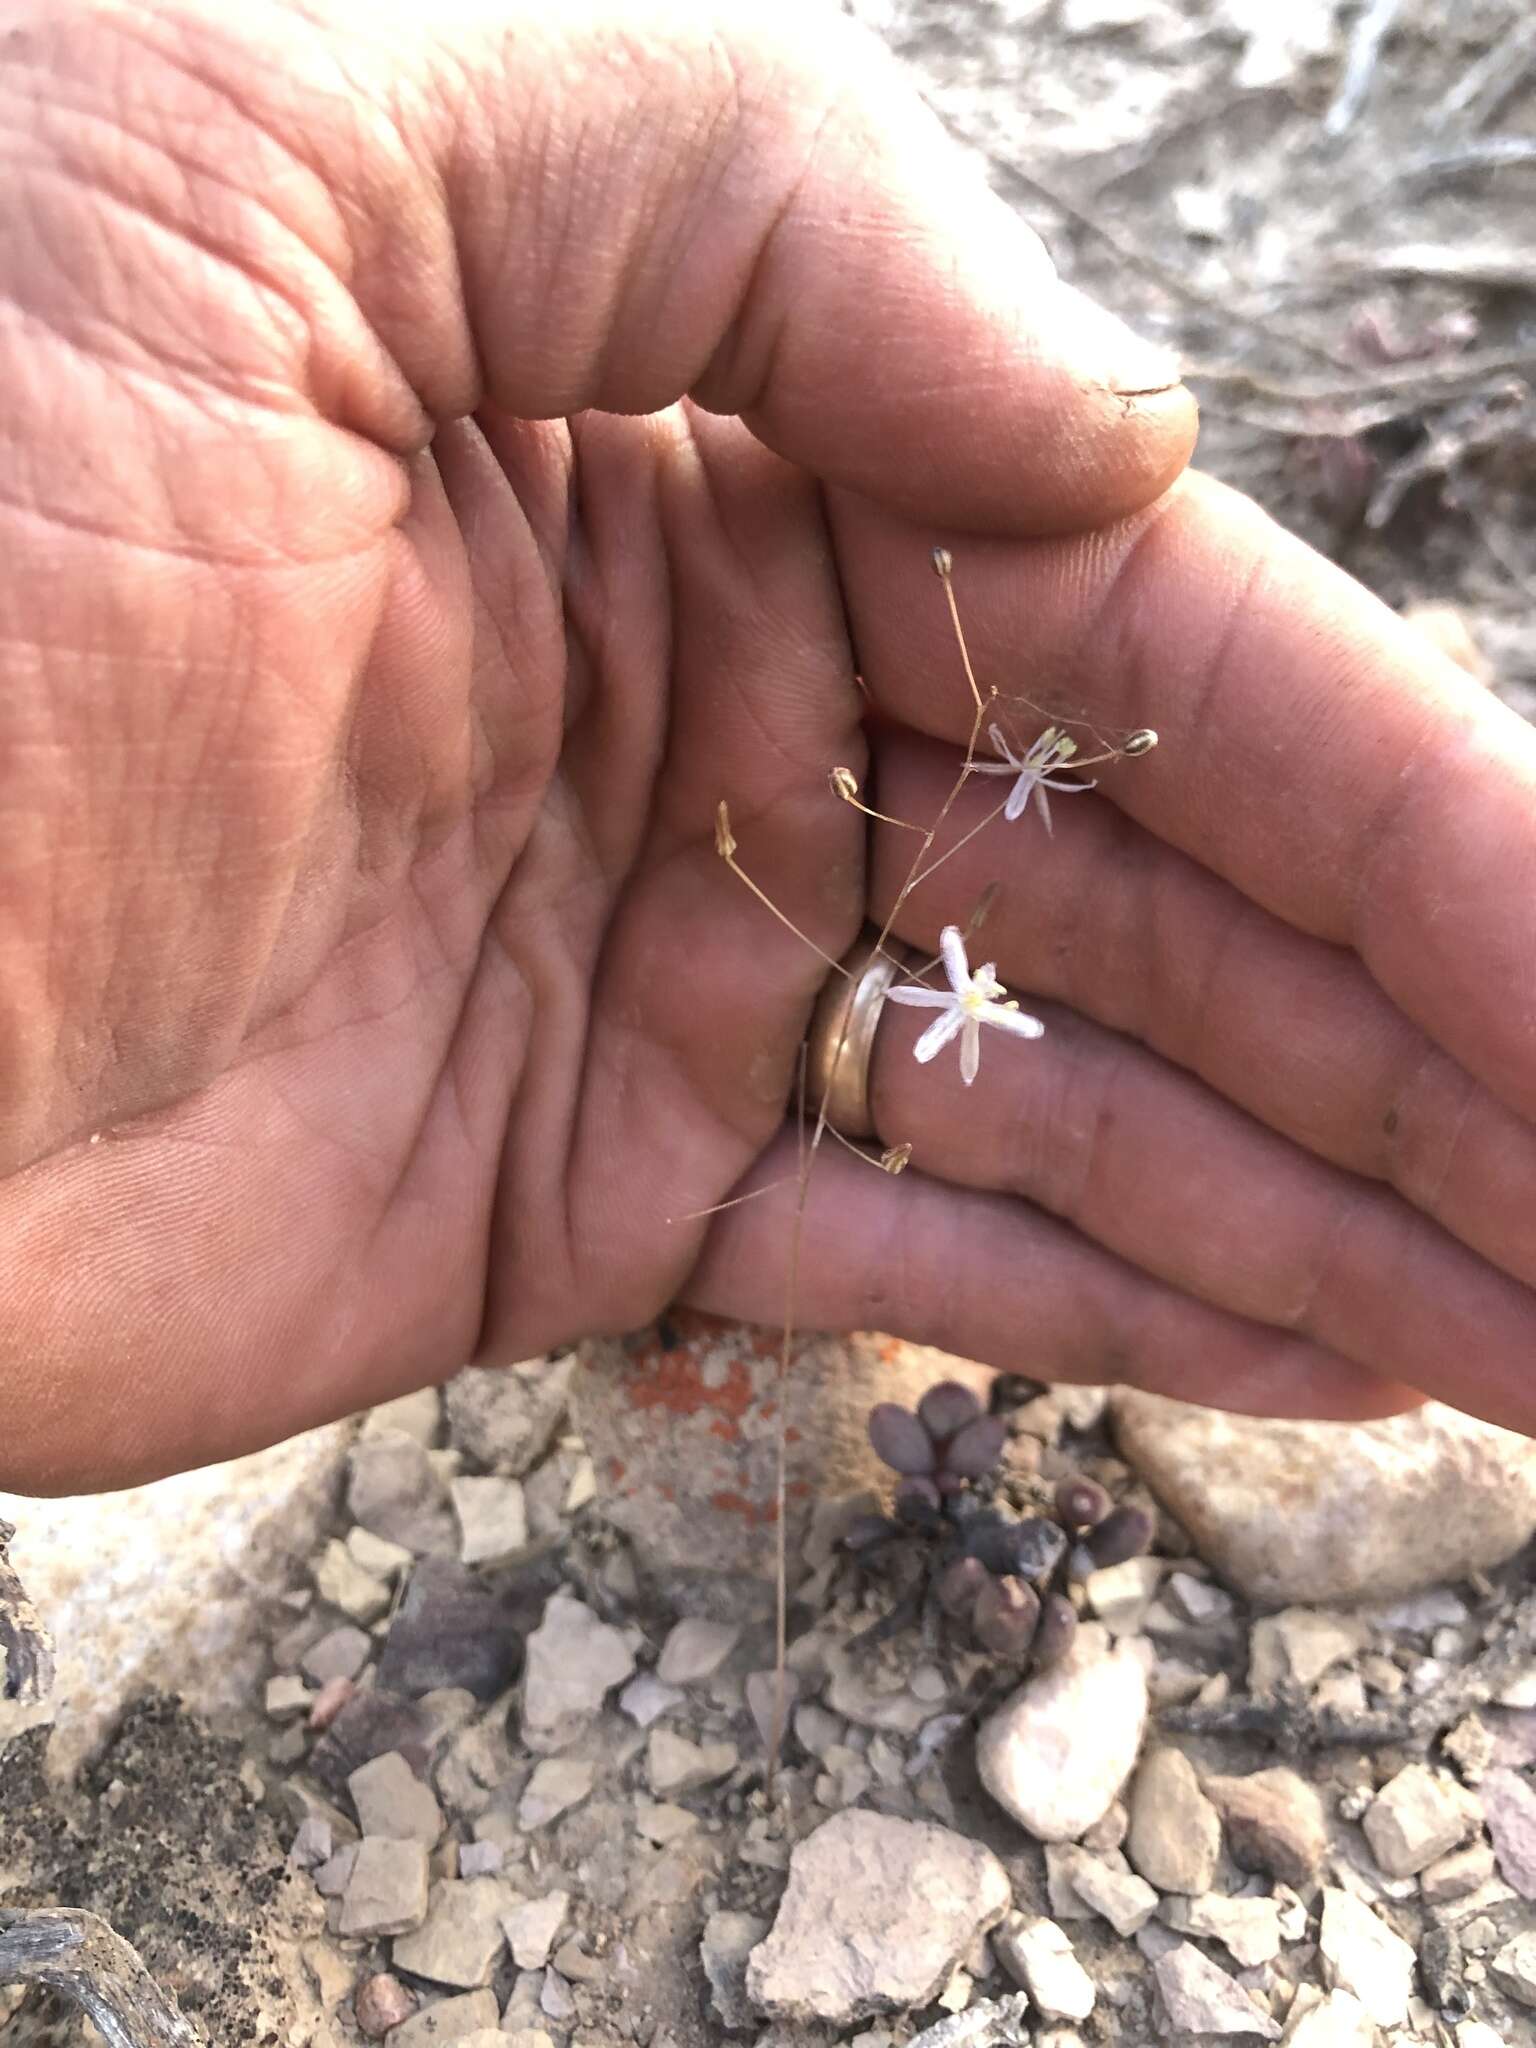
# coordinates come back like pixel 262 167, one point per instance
pixel 841 1040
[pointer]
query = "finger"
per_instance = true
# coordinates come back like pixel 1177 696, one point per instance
pixel 1152 1165
pixel 590 210
pixel 1314 750
pixel 994 1279
pixel 1130 932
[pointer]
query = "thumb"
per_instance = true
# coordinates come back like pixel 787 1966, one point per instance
pixel 610 207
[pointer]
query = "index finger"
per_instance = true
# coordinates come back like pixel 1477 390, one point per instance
pixel 1314 750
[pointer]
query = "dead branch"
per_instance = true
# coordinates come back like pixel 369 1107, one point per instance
pixel 1412 1722
pixel 1487 85
pixel 1370 32
pixel 78 1955
pixel 1484 153
pixel 26 1649
pixel 1479 266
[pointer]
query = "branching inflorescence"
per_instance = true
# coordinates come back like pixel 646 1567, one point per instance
pixel 1014 1611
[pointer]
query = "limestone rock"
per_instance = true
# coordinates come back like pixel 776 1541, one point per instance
pixel 493 1519
pixel 1307 1512
pixel 1454 1876
pixel 393 1803
pixel 1038 1955
pixel 505 1416
pixel 1274 1823
pixel 1360 1954
pixel 1416 1817
pixel 728 1941
pixel 461 1937
pixel 386 1891
pixel 695 1650
pixel 1056 1753
pixel 1174 1837
pixel 558 1783
pixel 1126 1901
pixel 1249 1929
pixel 1337 2021
pixel 674 1765
pixel 1509 1804
pixel 167 1588
pixel 1515 1968
pixel 1300 1644
pixel 531 1928
pixel 876 1915
pixel 574 1662
pixel 447 2021
pixel 1202 1999
pixel 394 1491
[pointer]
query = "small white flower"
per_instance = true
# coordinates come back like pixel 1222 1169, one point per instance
pixel 970 1001
pixel 1033 768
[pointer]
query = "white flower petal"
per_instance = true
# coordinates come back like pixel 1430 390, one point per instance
pixel 970 1050
pixel 1045 806
pixel 1018 797
pixel 1019 1022
pixel 921 998
pixel 1067 788
pixel 1010 759
pixel 938 1035
pixel 956 966
pixel 993 768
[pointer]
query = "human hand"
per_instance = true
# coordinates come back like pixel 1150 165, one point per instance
pixel 373 994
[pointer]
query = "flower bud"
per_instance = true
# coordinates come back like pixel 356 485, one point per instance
pixel 1006 1615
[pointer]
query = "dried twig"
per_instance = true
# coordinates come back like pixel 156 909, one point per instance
pixel 1481 266
pixel 989 2023
pixel 1370 32
pixel 79 1956
pixel 26 1649
pixel 1484 87
pixel 1484 153
pixel 1412 1721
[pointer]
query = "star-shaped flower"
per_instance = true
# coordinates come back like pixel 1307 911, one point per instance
pixel 970 1001
pixel 1033 768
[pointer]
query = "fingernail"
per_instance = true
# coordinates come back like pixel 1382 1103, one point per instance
pixel 1098 346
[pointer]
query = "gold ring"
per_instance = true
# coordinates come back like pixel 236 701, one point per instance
pixel 841 1040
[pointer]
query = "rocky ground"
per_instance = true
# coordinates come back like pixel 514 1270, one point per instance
pixel 486 1783
pixel 449 1763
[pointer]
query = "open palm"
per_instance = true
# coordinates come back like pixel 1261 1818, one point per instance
pixel 380 635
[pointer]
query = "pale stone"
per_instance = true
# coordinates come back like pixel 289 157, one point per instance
pixel 447 2023
pixel 1040 1956
pixel 1360 1954
pixel 645 1699
pixel 340 1653
pixel 574 1661
pixel 673 1764
pixel 727 1943
pixel 1120 1594
pixel 419 1415
pixel 695 1650
pixel 506 1416
pixel 1249 1929
pixel 876 1915
pixel 377 1555
pixel 1456 1875
pixel 393 1803
pixel 1300 1645
pixel 460 1939
pixel 1509 1805
pixel 557 1784
pixel 493 1519
pixel 1315 1511
pixel 386 1889
pixel 286 1697
pixel 166 1588
pixel 1274 1822
pixel 1174 1836
pixel 394 1490
pixel 1515 1968
pixel 531 1928
pixel 1337 2021
pixel 341 1582
pixel 1198 1601
pixel 1057 1752
pixel 1202 1999
pixel 1415 1818
pixel 1122 1898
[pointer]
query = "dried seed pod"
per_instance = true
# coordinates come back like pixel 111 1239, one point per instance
pixel 959 1584
pixel 899 1440
pixel 917 1501
pixel 1056 1631
pixel 976 1449
pixel 1081 1503
pixel 1006 1616
pixel 947 1408
pixel 1126 1532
